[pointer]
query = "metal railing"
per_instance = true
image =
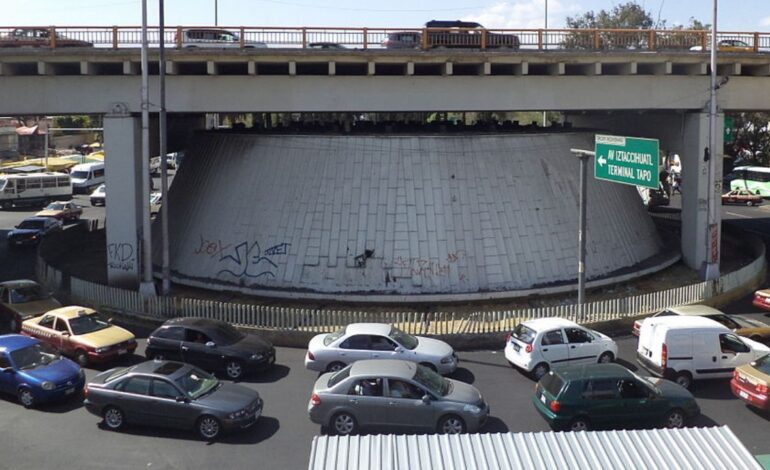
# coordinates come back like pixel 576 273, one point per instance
pixel 379 38
pixel 129 302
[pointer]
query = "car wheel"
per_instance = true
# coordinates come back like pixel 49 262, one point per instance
pixel 209 427
pixel 451 425
pixel 675 419
pixel 430 366
pixel 26 397
pixel 580 423
pixel 606 358
pixel 684 379
pixel 749 203
pixel 335 367
pixel 114 418
pixel 540 370
pixel 81 357
pixel 233 369
pixel 343 424
pixel 756 338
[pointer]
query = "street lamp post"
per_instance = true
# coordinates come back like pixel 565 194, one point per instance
pixel 712 234
pixel 216 12
pixel 545 45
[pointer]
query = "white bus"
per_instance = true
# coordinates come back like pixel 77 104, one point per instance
pixel 33 189
pixel 755 179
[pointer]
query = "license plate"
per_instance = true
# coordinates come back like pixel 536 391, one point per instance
pixel 122 351
pixel 69 391
pixel 743 394
pixel 542 398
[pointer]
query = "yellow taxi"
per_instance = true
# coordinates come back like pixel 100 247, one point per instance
pixel 751 382
pixel 80 333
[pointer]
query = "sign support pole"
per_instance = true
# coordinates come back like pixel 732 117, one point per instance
pixel 583 155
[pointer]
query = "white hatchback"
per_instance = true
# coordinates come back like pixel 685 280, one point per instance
pixel 536 346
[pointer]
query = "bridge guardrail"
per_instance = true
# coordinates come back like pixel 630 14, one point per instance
pixel 373 38
pixel 425 323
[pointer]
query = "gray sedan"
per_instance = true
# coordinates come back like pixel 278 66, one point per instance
pixel 395 393
pixel 171 394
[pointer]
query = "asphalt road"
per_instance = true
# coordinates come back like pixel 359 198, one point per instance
pixel 66 436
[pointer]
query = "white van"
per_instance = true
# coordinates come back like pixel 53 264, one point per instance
pixel 213 38
pixel 86 177
pixel 687 348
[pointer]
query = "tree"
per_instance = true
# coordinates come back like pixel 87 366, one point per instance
pixel 751 138
pixel 626 16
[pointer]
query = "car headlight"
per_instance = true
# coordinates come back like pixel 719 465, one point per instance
pixel 102 350
pixel 237 414
pixel 450 358
pixel 256 357
pixel 47 385
pixel 472 409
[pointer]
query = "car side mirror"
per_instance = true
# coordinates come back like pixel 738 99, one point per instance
pixel 399 349
pixel 65 333
pixel 181 399
pixel 8 370
pixel 211 344
pixel 109 320
pixel 426 399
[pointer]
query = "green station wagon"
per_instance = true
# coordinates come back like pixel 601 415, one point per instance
pixel 579 398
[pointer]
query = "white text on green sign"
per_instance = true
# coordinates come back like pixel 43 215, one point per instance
pixel 627 160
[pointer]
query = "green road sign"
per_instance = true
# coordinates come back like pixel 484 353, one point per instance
pixel 729 130
pixel 627 160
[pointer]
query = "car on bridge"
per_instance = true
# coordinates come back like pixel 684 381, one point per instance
pixel 454 34
pixel 727 45
pixel 213 38
pixel 35 373
pixel 62 210
pixel 32 230
pixel 579 398
pixel 174 395
pixel 21 300
pixel 39 37
pixel 398 394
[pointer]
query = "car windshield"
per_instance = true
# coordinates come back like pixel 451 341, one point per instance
pixel 84 324
pixel 524 333
pixel 432 381
pixel 552 383
pixel 79 174
pixel 25 294
pixel 225 334
pixel 332 337
pixel 762 364
pixel 31 224
pixel 55 206
pixel 406 340
pixel 196 383
pixel 34 356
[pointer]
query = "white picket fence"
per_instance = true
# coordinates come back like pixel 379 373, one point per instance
pixel 434 323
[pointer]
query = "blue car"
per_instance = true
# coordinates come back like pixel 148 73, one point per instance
pixel 35 373
pixel 33 229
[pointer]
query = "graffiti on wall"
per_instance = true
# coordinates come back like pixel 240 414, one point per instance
pixel 120 256
pixel 427 268
pixel 243 259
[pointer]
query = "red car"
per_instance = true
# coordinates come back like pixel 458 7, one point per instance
pixel 741 196
pixel 762 299
pixel 61 210
pixel 38 37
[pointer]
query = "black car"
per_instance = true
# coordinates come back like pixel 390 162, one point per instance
pixel 171 394
pixel 212 345
pixel 31 230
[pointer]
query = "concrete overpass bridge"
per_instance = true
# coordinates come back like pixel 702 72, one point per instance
pixel 661 94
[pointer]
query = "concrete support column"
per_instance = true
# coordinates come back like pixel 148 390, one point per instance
pixel 696 244
pixel 122 142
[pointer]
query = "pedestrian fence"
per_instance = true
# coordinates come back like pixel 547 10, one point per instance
pixel 128 302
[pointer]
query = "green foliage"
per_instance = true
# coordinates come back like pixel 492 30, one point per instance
pixel 751 138
pixel 76 121
pixel 628 15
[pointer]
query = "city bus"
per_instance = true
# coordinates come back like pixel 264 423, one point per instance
pixel 755 179
pixel 26 189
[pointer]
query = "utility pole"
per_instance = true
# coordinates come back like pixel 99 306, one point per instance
pixel 146 286
pixel 216 12
pixel 545 46
pixel 712 234
pixel 583 155
pixel 165 272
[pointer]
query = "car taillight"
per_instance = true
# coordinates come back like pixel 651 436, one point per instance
pixel 85 391
pixel 761 388
pixel 315 400
pixel 555 406
pixel 310 356
pixel 637 326
pixel 736 374
pixel 663 355
pixel 528 348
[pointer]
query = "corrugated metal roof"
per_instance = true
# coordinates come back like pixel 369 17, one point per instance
pixel 714 448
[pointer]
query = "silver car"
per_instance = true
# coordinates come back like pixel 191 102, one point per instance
pixel 392 393
pixel 330 352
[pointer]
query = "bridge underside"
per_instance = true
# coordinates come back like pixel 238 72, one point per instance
pixel 395 214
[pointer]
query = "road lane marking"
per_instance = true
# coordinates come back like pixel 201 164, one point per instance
pixel 739 215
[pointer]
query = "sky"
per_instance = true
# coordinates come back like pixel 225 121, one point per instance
pixel 733 15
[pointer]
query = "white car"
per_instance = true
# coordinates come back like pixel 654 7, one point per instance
pixel 99 196
pixel 538 345
pixel 333 351
pixel 216 38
